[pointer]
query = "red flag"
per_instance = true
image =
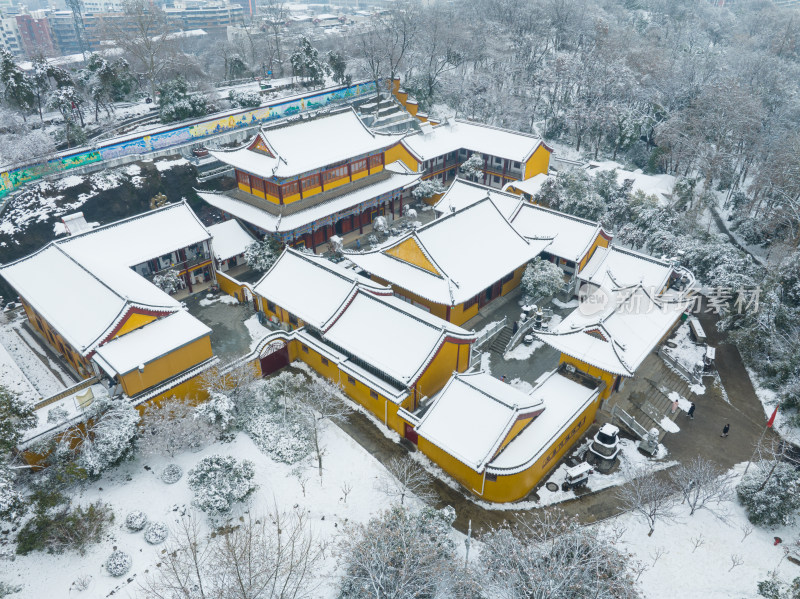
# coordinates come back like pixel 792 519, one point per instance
pixel 771 420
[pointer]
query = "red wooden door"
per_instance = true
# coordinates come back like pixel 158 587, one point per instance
pixel 410 433
pixel 274 357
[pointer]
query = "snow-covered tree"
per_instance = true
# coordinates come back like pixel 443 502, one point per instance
pixel 402 554
pixel 774 588
pixel 541 280
pixel 17 416
pixel 323 403
pixel 107 437
pixel 218 410
pixel 472 167
pixel 17 90
pixel 244 99
pixel 552 555
pixel 168 281
pixel 69 103
pixel 261 255
pixel 647 496
pixel 12 504
pixel 338 68
pixel 702 484
pixel 171 427
pixel 177 103
pixel 427 188
pixel 265 556
pixel 770 492
pixel 307 64
pixel 219 482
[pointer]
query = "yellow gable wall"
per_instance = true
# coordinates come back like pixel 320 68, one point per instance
pixel 401 153
pixel 167 366
pixel 51 334
pixel 600 241
pixel 134 321
pixel 451 357
pixel 520 424
pixel 539 162
pixel 409 251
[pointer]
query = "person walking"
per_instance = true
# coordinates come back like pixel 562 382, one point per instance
pixel 690 413
pixel 725 430
pixel 674 406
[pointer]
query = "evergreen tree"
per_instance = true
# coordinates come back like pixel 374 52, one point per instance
pixel 307 64
pixel 17 90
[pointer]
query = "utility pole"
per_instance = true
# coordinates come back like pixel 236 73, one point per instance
pixel 467 542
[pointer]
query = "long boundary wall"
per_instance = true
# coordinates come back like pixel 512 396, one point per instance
pixel 151 142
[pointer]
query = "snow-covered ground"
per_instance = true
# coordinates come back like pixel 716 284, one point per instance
pixel 136 486
pixel 24 366
pixel 683 571
pixel 660 186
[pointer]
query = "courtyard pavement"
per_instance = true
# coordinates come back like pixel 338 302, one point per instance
pixel 230 338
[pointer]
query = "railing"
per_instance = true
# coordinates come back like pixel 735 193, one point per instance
pixel 66 392
pixel 525 328
pixel 489 332
pixel 679 368
pixel 630 422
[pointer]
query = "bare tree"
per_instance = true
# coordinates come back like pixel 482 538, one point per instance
pixel 552 555
pixel 264 557
pixel 144 37
pixel 405 477
pixel 323 402
pixel 736 560
pixel 702 484
pixel 171 427
pixel 647 496
pixel 697 542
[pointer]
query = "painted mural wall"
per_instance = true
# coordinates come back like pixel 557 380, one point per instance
pixel 183 134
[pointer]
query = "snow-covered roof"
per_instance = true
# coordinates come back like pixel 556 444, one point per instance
pixel 463 193
pixel 660 186
pixel 389 334
pixel 84 285
pixel 563 400
pixel 309 286
pixel 573 236
pixel 530 186
pixel 229 239
pixel 307 145
pixel 472 416
pixel 150 342
pixel 464 252
pixel 619 267
pixel 456 134
pixel 255 212
pixel 616 338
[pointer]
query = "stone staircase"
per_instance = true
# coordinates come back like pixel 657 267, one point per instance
pixel 500 342
pixel 646 396
pixel 386 116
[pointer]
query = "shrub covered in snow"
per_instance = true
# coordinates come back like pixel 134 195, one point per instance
pixel 770 492
pixel 541 279
pixel 136 520
pixel 244 99
pixel 218 410
pixel 220 481
pixel 118 563
pixel 284 440
pixel 171 474
pixel 171 427
pixel 57 415
pixel 60 528
pixel 156 533
pixel 260 255
pixel 16 416
pixel 380 224
pixel 427 188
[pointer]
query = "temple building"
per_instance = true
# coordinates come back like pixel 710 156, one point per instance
pixel 90 296
pixel 456 264
pixel 385 353
pixel 610 337
pixel 439 150
pixel 308 180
